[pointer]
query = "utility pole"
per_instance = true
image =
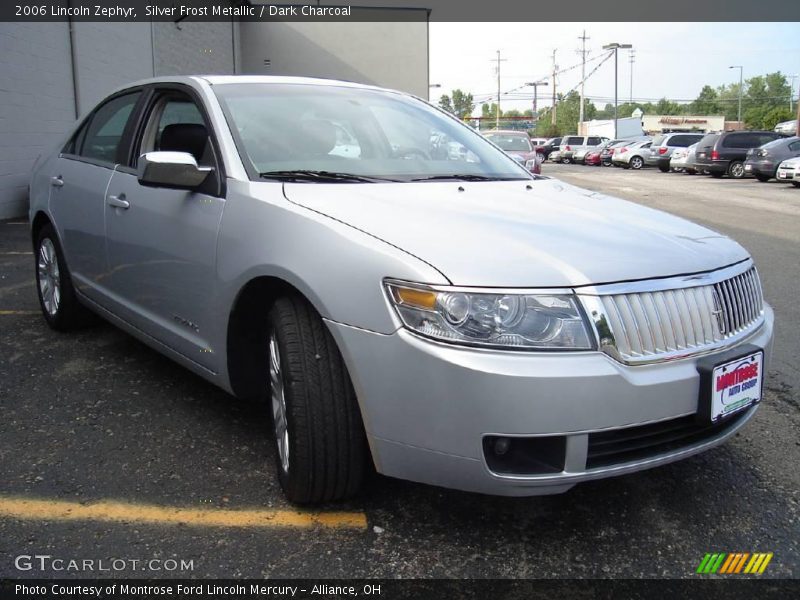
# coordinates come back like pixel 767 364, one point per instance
pixel 741 89
pixel 791 93
pixel 535 86
pixel 615 47
pixel 632 58
pixel 553 111
pixel 498 60
pixel 582 52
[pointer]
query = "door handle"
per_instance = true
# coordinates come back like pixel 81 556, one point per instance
pixel 118 201
pixel 57 181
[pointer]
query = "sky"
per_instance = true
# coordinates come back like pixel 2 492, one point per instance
pixel 673 60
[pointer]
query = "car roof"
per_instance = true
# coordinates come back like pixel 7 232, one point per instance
pixel 249 79
pixel 507 132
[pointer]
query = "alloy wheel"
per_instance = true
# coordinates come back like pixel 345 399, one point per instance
pixel 48 276
pixel 279 414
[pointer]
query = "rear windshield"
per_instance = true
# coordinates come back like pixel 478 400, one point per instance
pixel 572 140
pixel 708 140
pixel 658 139
pixel 510 141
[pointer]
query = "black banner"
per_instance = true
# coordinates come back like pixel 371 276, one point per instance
pixel 733 588
pixel 400 10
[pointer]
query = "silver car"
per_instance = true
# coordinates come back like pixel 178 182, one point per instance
pixel 446 316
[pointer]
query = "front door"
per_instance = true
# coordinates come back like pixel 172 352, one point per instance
pixel 162 242
pixel 78 187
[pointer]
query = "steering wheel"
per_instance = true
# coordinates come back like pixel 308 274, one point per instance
pixel 409 153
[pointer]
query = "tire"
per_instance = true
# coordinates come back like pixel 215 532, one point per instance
pixel 60 306
pixel 796 184
pixel 716 174
pixel 663 169
pixel 762 178
pixel 320 444
pixel 690 171
pixel 636 162
pixel 736 169
pixel 566 161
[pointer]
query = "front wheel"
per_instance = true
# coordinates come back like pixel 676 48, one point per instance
pixel 663 169
pixel 57 299
pixel 320 445
pixel 716 174
pixel 763 178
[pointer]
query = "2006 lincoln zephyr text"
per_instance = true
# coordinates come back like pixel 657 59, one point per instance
pixel 396 287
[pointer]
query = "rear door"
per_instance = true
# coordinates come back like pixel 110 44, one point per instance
pixel 162 245
pixel 79 182
pixel 704 148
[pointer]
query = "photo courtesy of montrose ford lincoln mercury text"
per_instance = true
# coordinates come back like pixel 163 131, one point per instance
pixel 398 289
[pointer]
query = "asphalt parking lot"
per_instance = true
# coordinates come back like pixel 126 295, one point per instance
pixel 96 421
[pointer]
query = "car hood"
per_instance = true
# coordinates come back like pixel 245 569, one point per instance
pixel 502 234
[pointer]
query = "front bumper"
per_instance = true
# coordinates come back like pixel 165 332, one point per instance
pixel 428 406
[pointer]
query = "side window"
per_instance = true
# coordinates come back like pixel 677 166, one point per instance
pixel 680 141
pixel 104 132
pixel 176 124
pixel 794 146
pixel 593 141
pixel 737 140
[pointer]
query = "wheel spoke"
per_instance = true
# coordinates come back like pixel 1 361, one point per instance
pixel 278 401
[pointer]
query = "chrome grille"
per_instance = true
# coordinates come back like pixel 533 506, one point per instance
pixel 659 324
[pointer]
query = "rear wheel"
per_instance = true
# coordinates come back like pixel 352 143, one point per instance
pixel 663 169
pixel 57 299
pixel 636 162
pixel 736 169
pixel 320 445
pixel 796 184
pixel 763 178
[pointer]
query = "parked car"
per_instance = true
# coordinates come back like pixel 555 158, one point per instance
pixel 516 144
pixel 549 146
pixel 724 153
pixel 762 162
pixel 682 159
pixel 608 150
pixel 440 318
pixel 574 143
pixel 787 127
pixel 664 145
pixel 593 157
pixel 536 142
pixel 789 170
pixel 631 156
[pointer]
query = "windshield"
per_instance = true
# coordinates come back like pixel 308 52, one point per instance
pixel 370 135
pixel 510 142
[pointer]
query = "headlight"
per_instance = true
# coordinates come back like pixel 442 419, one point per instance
pixel 522 321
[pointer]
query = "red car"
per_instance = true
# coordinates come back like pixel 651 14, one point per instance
pixel 593 158
pixel 517 144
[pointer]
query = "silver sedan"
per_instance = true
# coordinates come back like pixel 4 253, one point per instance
pixel 397 289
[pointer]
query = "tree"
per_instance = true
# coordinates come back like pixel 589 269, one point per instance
pixel 446 104
pixel 706 102
pixel 463 104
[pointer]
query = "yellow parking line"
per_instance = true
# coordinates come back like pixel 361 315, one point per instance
pixel 122 512
pixel 19 312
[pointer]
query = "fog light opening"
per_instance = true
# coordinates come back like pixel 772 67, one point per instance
pixel 501 446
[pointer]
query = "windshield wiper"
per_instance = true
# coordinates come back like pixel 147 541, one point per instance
pixel 328 176
pixel 465 177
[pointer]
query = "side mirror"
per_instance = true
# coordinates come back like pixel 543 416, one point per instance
pixel 172 170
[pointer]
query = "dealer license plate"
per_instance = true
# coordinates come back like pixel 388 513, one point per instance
pixel 783 175
pixel 748 167
pixel 736 385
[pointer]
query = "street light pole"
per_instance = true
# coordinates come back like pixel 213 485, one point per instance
pixel 615 47
pixel 791 93
pixel 741 88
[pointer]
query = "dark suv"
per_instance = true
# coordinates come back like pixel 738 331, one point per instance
pixel 724 153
